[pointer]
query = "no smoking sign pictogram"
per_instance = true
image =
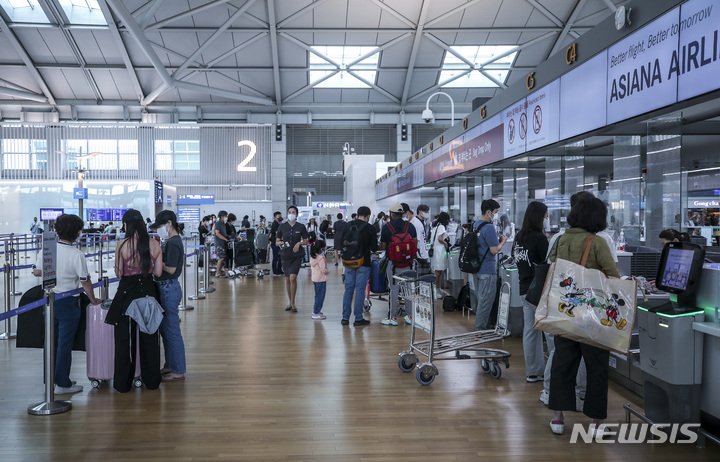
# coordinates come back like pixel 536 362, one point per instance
pixel 522 131
pixel 511 131
pixel 537 119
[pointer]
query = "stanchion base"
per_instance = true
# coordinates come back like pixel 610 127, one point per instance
pixel 207 291
pixel 196 297
pixel 186 308
pixel 8 335
pixel 49 407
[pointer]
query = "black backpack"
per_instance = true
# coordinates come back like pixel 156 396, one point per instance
pixel 469 259
pixel 449 303
pixel 353 255
pixel 463 300
pixel 324 226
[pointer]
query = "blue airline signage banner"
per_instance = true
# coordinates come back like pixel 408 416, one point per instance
pixel 671 59
pixel 195 199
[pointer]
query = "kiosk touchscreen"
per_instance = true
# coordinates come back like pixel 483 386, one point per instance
pixel 679 273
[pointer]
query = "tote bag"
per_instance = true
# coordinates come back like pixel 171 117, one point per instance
pixel 586 306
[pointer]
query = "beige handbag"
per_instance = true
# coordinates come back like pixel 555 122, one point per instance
pixel 587 306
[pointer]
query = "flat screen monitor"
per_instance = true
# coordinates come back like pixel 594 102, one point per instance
pixel 680 267
pixel 158 192
pixel 50 214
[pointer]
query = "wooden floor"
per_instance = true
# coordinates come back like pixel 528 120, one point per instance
pixel 267 385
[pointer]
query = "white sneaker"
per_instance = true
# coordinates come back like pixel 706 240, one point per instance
pixel 389 322
pixel 318 316
pixel 544 397
pixel 68 390
pixel 408 319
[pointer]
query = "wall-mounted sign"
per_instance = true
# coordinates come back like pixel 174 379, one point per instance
pixel 332 205
pixel 158 192
pixel 703 203
pixel 188 215
pixel 195 199
pixel 80 193
pixel 243 166
pixel 49 260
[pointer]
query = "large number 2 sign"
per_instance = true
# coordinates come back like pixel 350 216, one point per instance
pixel 242 166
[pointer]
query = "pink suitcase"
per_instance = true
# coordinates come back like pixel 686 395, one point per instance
pixel 100 345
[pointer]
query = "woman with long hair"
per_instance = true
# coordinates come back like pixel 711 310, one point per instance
pixel 529 250
pixel 137 259
pixel 439 245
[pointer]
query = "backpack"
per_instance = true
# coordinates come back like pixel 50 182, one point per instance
pixel 463 300
pixel 402 248
pixel 324 226
pixel 469 261
pixel 352 249
pixel 449 303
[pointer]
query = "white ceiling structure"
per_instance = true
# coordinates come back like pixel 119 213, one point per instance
pixel 251 60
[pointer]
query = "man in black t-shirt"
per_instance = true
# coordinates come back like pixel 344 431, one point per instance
pixel 221 240
pixel 276 261
pixel 356 279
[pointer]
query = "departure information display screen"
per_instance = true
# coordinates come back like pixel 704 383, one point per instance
pixel 50 214
pixel 677 268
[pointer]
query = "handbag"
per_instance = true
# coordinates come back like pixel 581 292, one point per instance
pixel 585 305
pixel 535 289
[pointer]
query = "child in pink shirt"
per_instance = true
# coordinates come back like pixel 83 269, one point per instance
pixel 320 271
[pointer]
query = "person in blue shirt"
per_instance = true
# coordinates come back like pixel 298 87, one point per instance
pixel 486 279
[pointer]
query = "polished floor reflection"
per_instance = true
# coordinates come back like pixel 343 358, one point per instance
pixel 268 385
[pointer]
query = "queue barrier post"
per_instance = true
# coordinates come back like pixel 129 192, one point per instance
pixel 100 270
pixel 183 305
pixel 206 271
pixel 15 261
pixel 197 295
pixel 105 289
pixel 49 406
pixel 8 333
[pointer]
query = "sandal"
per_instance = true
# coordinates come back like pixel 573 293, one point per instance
pixel 170 377
pixel 288 308
pixel 294 310
pixel 165 370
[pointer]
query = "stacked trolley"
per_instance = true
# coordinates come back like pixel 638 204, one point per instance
pixel 420 291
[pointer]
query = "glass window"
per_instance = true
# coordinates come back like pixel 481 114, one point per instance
pixel 177 155
pixel 483 56
pixel 113 154
pixel 344 55
pixel 23 154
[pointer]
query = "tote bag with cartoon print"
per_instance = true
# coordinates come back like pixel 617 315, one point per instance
pixel 587 306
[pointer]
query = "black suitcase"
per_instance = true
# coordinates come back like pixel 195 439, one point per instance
pixel 243 253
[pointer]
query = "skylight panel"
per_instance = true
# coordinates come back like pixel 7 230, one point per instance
pixel 83 11
pixel 24 11
pixel 497 58
pixel 324 61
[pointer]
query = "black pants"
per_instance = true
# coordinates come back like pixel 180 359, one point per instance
pixel 276 262
pixel 125 357
pixel 562 378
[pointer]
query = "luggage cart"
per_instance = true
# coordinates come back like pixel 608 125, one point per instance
pixel 421 292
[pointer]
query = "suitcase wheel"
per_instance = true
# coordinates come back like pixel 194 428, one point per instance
pixel 95 383
pixel 368 305
pixel 260 275
pixel 137 383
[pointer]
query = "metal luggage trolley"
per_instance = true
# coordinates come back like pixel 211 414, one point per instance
pixel 421 292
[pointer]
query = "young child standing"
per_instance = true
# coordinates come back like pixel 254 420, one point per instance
pixel 320 271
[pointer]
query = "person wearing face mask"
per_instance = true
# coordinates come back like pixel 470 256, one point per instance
pixel 291 236
pixel 221 239
pixel 72 273
pixel 486 279
pixel 277 268
pixel 338 228
pixel 203 229
pixel 170 294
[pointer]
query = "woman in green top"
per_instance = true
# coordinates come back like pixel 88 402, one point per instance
pixel 587 217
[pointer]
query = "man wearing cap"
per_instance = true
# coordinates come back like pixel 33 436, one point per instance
pixel 170 292
pixel 221 239
pixel 399 225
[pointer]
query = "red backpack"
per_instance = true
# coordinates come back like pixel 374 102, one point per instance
pixel 402 248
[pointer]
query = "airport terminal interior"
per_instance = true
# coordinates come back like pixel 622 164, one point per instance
pixel 224 140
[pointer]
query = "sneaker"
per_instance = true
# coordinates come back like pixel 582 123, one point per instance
pixel 557 427
pixel 545 397
pixel 68 390
pixel 408 319
pixel 345 322
pixel 579 403
pixel 318 316
pixel 362 322
pixel 534 378
pixel 389 322
pixel 598 431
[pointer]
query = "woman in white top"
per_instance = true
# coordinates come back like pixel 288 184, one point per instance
pixel 71 273
pixel 439 260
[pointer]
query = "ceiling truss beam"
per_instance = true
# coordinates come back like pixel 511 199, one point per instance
pixel 414 51
pixel 549 15
pixel 274 50
pixel 185 14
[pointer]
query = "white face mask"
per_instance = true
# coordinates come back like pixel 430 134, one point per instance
pixel 292 217
pixel 163 232
pixel 405 218
pixel 546 224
